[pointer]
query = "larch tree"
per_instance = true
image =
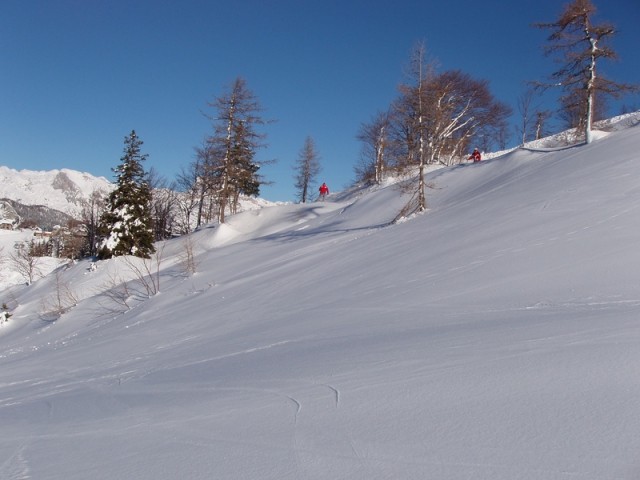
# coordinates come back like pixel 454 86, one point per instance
pixel 228 164
pixel 581 45
pixel 126 225
pixel 307 168
pixel 200 179
pixel 245 179
pixel 412 110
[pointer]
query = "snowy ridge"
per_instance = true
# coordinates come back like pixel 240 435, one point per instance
pixel 494 337
pixel 600 130
pixel 563 140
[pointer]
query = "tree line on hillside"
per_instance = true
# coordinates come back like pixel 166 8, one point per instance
pixel 143 208
pixel 435 118
pixel 438 115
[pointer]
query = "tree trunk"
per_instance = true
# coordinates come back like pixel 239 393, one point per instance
pixel 588 137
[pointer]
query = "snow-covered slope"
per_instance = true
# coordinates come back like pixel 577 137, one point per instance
pixel 496 336
pixel 8 215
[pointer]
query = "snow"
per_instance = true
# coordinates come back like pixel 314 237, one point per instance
pixel 495 336
pixel 8 274
pixel 63 190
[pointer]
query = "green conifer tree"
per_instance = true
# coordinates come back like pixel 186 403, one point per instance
pixel 126 224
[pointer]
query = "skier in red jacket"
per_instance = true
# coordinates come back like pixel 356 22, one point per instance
pixel 475 156
pixel 324 191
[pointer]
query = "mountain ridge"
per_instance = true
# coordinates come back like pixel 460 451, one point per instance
pixel 64 190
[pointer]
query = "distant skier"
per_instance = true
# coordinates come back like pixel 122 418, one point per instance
pixel 475 156
pixel 324 191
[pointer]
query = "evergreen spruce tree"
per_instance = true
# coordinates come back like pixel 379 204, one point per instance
pixel 126 224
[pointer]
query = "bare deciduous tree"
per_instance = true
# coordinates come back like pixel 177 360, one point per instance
pixel 121 294
pixel 190 197
pixel 542 117
pixel 147 271
pixel 202 179
pixel 118 294
pixel 61 300
pixel 307 168
pixel 92 210
pixel 375 139
pixel 164 201
pixel 25 262
pixel 581 45
pixel 438 115
pixel 413 111
pixel 527 116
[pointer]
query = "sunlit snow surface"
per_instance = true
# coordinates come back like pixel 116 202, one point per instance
pixel 496 336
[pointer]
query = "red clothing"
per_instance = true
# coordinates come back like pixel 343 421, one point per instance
pixel 475 156
pixel 324 190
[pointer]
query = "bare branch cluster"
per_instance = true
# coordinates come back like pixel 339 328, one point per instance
pixel 147 271
pixel 187 257
pixel 118 294
pixel 121 295
pixel 25 261
pixel 374 139
pixel 61 300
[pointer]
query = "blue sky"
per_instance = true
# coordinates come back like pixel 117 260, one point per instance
pixel 78 75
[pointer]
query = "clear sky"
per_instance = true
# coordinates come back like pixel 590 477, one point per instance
pixel 76 76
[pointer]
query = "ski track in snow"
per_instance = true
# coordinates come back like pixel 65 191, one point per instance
pixel 320 434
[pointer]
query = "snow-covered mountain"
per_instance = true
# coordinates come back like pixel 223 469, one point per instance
pixel 8 215
pixel 67 191
pixel 495 336
pixel 64 190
